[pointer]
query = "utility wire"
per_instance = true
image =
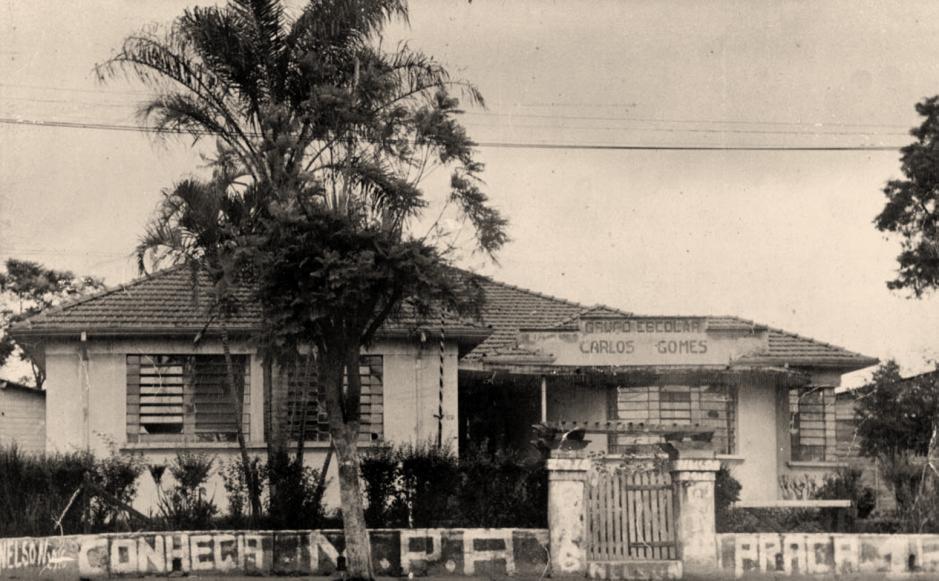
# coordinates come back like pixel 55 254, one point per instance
pixel 694 121
pixel 818 127
pixel 144 94
pixel 697 130
pixel 490 144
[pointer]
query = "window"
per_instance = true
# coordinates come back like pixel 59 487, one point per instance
pixel 708 406
pixel 301 407
pixel 180 397
pixel 812 423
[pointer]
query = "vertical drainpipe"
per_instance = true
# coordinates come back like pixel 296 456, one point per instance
pixel 544 399
pixel 440 388
pixel 85 390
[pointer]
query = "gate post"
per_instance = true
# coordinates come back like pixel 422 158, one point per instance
pixel 567 476
pixel 693 471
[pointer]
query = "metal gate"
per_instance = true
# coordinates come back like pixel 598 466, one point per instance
pixel 629 513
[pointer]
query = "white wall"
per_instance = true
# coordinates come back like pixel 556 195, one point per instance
pixel 98 385
pixel 756 442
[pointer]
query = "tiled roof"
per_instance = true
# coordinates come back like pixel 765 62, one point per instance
pixel 790 349
pixel 509 308
pixel 164 301
pixel 163 304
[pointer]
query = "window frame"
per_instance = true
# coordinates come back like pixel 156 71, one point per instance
pixel 797 397
pixel 189 430
pixel 371 406
pixel 630 408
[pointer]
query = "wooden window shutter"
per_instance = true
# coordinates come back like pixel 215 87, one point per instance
pixel 176 397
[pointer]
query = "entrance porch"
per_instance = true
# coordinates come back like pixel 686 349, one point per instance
pixel 746 409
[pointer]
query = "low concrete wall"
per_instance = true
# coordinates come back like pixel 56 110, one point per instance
pixel 825 555
pixel 485 552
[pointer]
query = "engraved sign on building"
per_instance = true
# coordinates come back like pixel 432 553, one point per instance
pixel 640 341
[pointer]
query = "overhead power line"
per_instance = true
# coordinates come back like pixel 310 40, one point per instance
pixel 818 125
pixel 625 147
pixel 808 129
pixel 814 124
pixel 698 130
pixel 491 144
pixel 74 89
pixel 812 130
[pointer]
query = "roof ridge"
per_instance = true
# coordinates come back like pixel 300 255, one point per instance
pixel 587 310
pixel 107 291
pixel 529 291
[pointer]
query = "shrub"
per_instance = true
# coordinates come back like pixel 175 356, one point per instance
pixel 383 504
pixel 36 490
pixel 771 520
pixel 292 499
pixel 501 489
pixel 421 486
pixel 185 506
pixel 846 484
pixel 726 489
pixel 430 481
pixel 288 492
pixel 116 475
pixel 233 477
pixel 726 492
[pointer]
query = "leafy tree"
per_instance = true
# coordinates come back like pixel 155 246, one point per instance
pixel 895 424
pixel 322 140
pixel 25 289
pixel 912 208
pixel 912 213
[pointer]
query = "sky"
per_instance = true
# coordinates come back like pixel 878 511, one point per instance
pixel 784 238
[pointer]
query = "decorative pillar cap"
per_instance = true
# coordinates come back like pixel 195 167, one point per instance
pixel 695 465
pixel 690 449
pixel 568 465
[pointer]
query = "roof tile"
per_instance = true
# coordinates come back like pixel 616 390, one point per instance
pixel 165 301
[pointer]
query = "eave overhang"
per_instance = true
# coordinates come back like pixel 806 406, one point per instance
pixel 466 337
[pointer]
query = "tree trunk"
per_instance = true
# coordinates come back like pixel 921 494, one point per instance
pixel 343 408
pixel 358 548
pixel 251 477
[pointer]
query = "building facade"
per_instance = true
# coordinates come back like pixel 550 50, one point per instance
pixel 22 417
pixel 125 374
pixel 766 395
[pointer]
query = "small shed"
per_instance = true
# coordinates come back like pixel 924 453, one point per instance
pixel 22 416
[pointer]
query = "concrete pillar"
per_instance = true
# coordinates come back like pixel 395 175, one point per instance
pixel 567 479
pixel 693 473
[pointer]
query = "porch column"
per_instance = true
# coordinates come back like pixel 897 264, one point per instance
pixel 567 476
pixel 693 471
pixel 544 399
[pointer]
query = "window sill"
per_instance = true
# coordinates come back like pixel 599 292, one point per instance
pixel 733 458
pixel 815 464
pixel 165 446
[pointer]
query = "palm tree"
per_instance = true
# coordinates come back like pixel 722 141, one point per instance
pixel 322 140
pixel 198 224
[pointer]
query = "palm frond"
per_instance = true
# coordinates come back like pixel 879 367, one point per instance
pixel 176 112
pixel 162 62
pixel 488 222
